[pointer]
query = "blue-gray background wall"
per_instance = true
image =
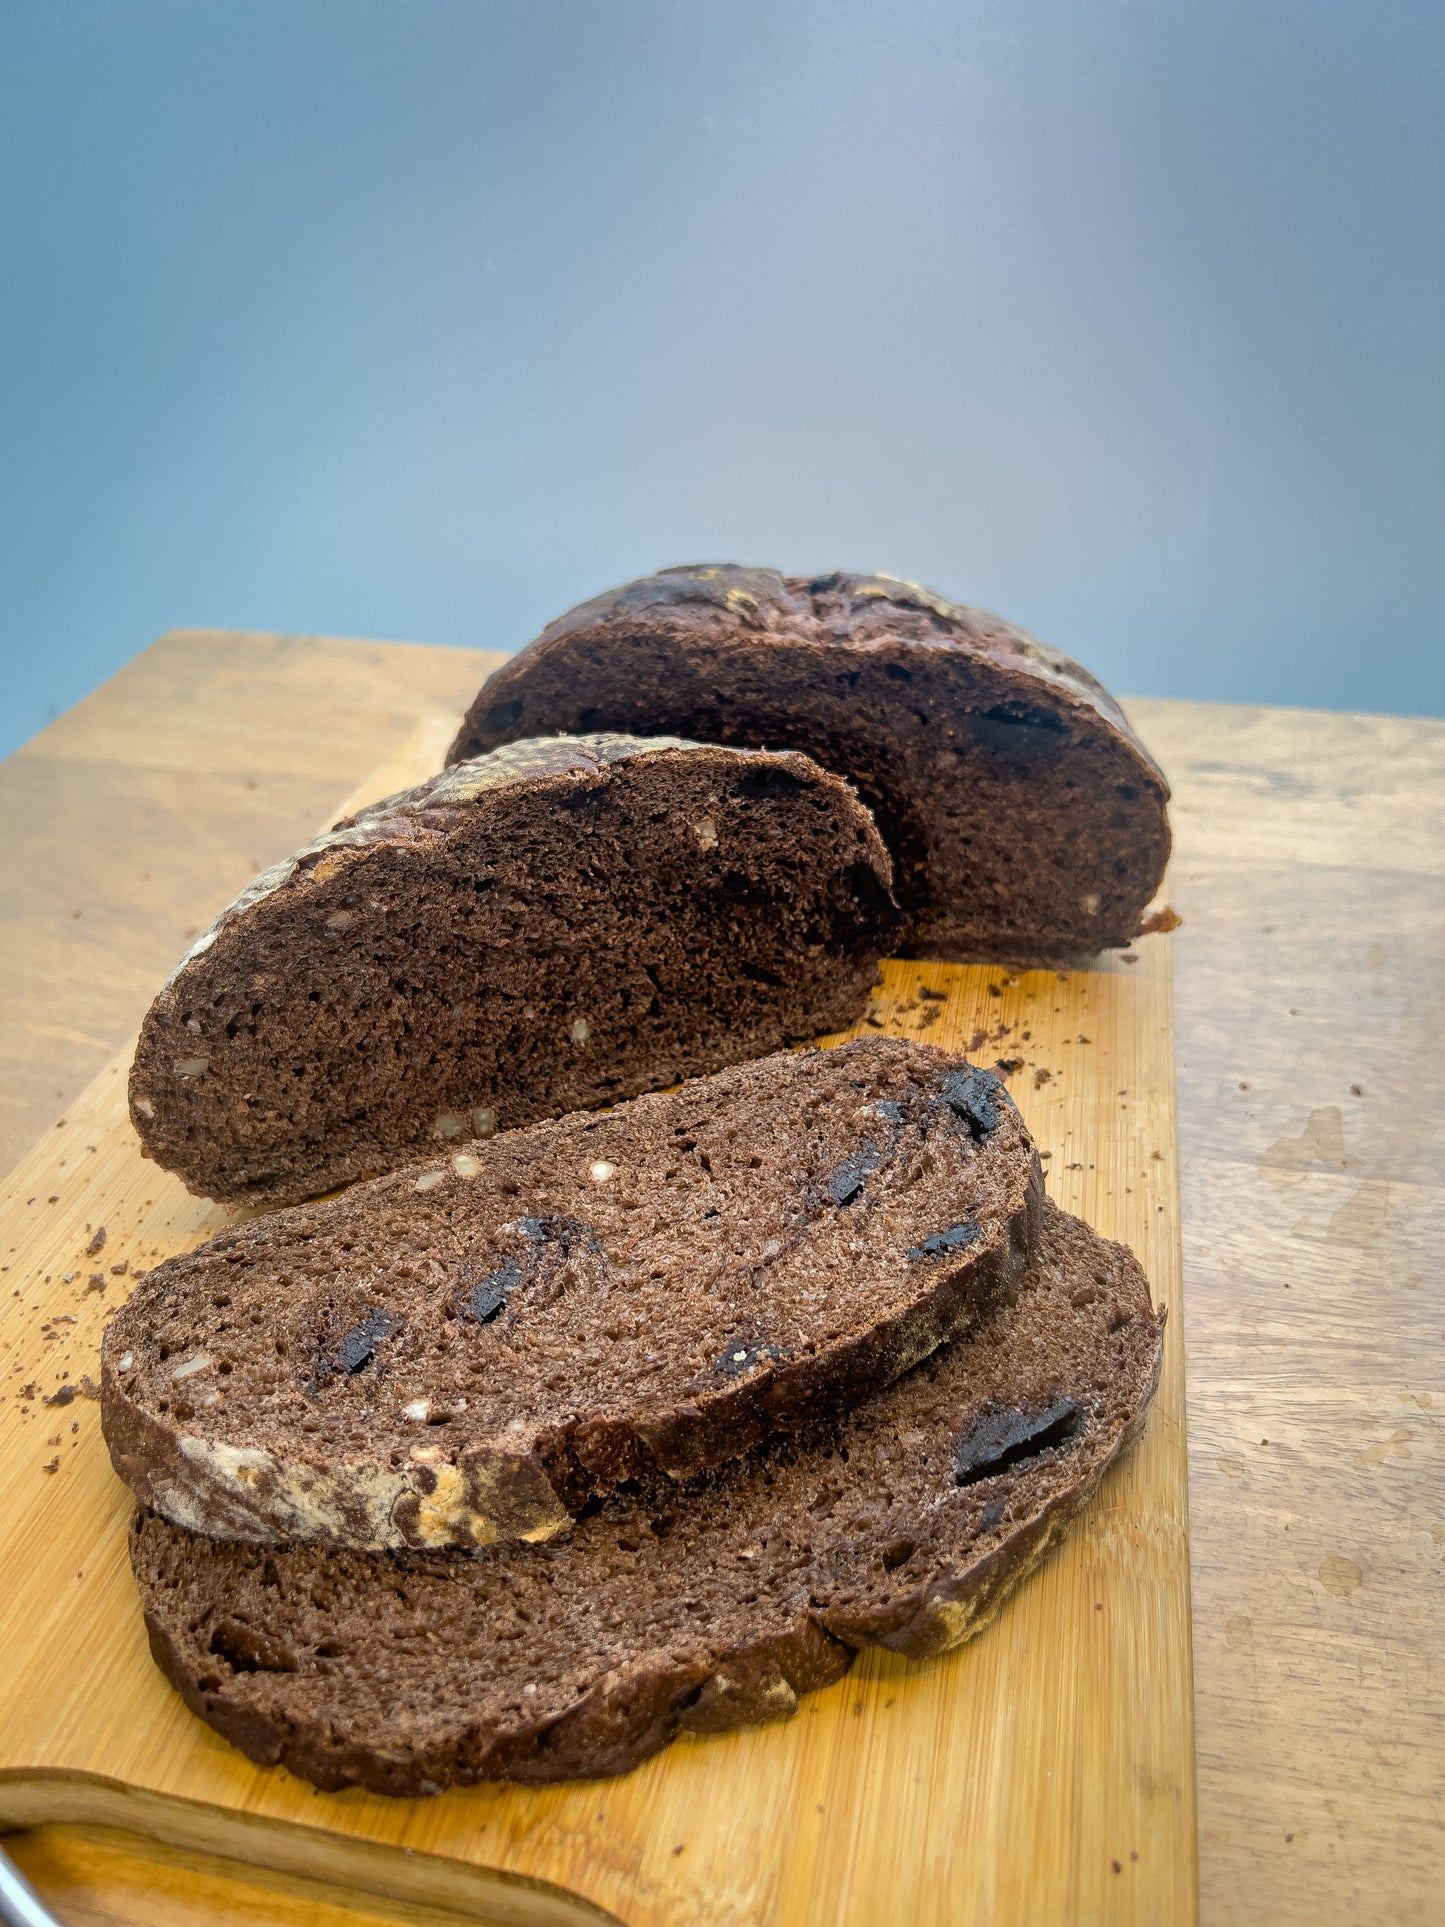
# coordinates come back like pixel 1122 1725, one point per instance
pixel 428 319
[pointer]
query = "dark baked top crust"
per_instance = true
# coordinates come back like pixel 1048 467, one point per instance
pixel 840 609
pixel 1025 819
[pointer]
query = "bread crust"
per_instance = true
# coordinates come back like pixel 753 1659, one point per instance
pixel 984 753
pixel 737 1664
pixel 487 945
pixel 423 1486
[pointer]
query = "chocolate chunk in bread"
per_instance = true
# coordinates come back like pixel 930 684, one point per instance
pixel 1025 819
pixel 551 927
pixel 471 1349
pixel 669 1610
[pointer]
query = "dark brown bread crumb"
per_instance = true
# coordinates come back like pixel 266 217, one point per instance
pixel 1025 819
pixel 471 1349
pixel 904 1525
pixel 549 928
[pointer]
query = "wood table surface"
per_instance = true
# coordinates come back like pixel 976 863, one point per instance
pixel 1310 1013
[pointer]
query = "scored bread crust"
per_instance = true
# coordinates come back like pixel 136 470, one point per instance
pixel 1025 819
pixel 820 1221
pixel 547 928
pixel 905 1524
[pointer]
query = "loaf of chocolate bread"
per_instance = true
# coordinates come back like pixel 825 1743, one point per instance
pixel 674 1609
pixel 1025 819
pixel 553 926
pixel 470 1349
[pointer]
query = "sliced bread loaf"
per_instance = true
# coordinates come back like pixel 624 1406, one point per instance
pixel 1025 819
pixel 666 1611
pixel 557 925
pixel 468 1350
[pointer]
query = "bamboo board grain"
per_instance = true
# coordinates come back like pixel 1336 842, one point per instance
pixel 1045 1772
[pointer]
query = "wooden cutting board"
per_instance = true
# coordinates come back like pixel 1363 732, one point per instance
pixel 1044 1773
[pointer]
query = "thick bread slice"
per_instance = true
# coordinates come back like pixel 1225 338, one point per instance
pixel 904 1525
pixel 1025 818
pixel 558 925
pixel 468 1350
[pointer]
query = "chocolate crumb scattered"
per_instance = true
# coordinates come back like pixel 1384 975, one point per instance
pixel 95 1282
pixel 52 1465
pixel 97 1243
pixel 63 1396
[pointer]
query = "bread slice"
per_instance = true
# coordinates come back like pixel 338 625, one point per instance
pixel 554 926
pixel 904 1524
pixel 470 1349
pixel 1025 819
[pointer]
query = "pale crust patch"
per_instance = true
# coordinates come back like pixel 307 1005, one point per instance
pixel 246 1492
